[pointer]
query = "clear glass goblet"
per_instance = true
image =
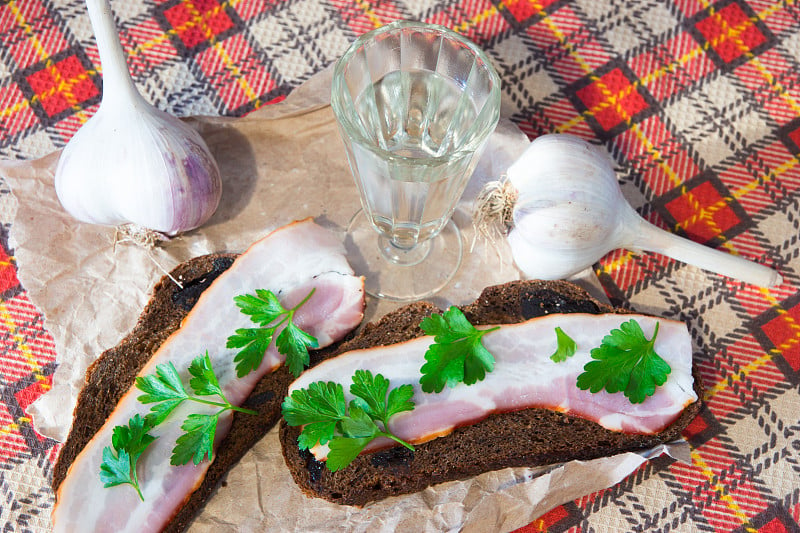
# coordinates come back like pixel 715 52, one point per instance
pixel 415 105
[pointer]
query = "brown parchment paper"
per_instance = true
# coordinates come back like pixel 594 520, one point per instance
pixel 282 163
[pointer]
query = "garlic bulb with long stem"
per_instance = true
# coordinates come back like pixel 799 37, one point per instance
pixel 132 163
pixel 569 212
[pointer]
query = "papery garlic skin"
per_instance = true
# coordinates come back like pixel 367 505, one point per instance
pixel 132 163
pixel 570 212
pixel 138 165
pixel 561 226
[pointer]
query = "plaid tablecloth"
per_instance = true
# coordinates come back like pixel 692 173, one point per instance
pixel 697 101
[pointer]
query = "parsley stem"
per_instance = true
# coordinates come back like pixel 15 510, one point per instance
pixel 136 485
pixel 307 298
pixel 135 478
pixel 289 316
pixel 396 439
pixel 225 406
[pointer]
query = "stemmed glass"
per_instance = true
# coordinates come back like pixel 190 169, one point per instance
pixel 415 104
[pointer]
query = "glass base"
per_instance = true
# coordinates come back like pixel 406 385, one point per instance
pixel 401 275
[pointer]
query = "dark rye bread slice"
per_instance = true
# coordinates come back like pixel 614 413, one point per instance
pixel 529 437
pixel 113 373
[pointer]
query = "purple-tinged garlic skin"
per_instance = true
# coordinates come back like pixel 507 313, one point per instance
pixel 156 172
pixel 131 163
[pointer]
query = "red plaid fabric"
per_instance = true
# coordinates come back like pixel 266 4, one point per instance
pixel 698 103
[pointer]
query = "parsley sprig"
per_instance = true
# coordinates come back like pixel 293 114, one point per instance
pixel 457 355
pixel 266 310
pixel 347 429
pixel 165 390
pixel 626 361
pixel 119 459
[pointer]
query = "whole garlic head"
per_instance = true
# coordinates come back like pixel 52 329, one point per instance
pixel 568 207
pixel 132 163
pixel 570 211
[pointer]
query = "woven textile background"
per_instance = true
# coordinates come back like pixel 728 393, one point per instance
pixel 697 101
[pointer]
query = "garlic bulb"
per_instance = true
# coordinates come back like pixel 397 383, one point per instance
pixel 570 212
pixel 131 163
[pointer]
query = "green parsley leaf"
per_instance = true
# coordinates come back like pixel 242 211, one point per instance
pixel 293 342
pixel 344 450
pixel 120 459
pixel 164 385
pixel 457 354
pixel 625 362
pixel 262 308
pixel 370 393
pixel 319 408
pixel 165 389
pixel 204 381
pixel 253 343
pixel 198 440
pixel 265 309
pixel 116 468
pixel 326 418
pixel 566 347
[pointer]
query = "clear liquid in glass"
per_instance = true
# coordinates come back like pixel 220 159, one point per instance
pixel 415 116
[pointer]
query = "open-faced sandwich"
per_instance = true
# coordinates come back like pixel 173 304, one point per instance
pixel 533 373
pixel 154 428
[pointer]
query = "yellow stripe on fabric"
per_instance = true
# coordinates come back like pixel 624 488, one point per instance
pixel 708 212
pixel 670 67
pixel 198 20
pixel 651 149
pixel 740 376
pixel 766 358
pixel 366 9
pixel 618 263
pixel 734 34
pixel 34 38
pixel 231 67
pixel 61 86
pixel 10 429
pixel 719 489
pixel 16 108
pixel 587 68
pixel 478 18
pixel 7 321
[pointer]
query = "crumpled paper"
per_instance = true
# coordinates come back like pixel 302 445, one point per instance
pixel 281 163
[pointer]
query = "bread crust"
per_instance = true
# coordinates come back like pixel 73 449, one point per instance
pixel 528 437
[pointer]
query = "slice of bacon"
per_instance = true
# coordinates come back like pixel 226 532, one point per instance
pixel 290 262
pixel 524 376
